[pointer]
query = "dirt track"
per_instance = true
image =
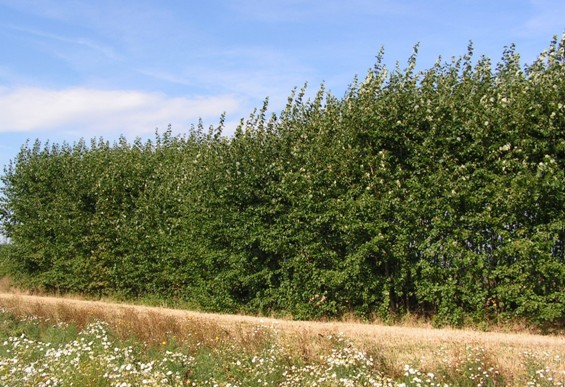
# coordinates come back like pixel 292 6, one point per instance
pixel 375 332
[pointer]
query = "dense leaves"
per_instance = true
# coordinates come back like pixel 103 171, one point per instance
pixel 438 192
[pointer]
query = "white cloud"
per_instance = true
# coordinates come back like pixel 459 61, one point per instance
pixel 92 112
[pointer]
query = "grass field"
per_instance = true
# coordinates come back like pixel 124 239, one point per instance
pixel 56 341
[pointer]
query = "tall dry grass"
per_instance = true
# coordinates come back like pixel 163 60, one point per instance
pixel 447 352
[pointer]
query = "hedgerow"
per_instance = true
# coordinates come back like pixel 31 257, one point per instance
pixel 438 192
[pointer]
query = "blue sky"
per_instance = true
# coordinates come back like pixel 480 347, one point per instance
pixel 72 69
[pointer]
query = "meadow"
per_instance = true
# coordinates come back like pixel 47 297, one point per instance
pixel 52 341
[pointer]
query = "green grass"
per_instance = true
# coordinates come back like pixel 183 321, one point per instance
pixel 40 352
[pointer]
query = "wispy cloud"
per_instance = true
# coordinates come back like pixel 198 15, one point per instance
pixel 547 18
pixel 251 73
pixel 87 112
pixel 301 10
pixel 90 44
pixel 131 27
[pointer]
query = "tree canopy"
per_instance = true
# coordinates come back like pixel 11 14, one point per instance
pixel 438 192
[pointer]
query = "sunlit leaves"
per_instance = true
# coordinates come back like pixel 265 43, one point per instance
pixel 438 192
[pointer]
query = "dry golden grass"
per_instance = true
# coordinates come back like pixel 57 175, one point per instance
pixel 428 349
pixel 6 285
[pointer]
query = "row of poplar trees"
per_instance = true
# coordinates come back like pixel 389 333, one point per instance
pixel 438 192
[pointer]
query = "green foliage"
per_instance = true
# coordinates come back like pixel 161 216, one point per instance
pixel 439 192
pixel 5 261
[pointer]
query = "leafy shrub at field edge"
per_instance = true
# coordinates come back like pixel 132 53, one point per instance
pixel 437 192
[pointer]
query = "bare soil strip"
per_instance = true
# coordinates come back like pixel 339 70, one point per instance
pixel 423 347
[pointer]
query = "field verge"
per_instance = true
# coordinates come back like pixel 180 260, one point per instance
pixel 394 351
